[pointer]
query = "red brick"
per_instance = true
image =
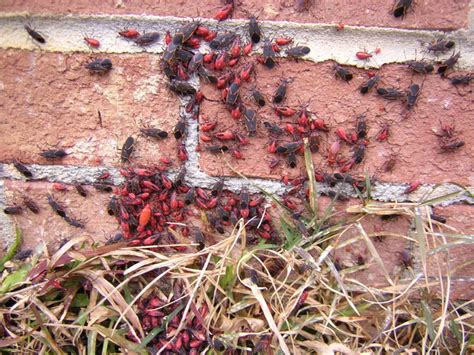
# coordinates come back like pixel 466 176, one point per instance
pixel 389 247
pixel 339 103
pixel 50 100
pixel 49 228
pixel 459 220
pixel 426 14
pixel 92 211
pixel 460 290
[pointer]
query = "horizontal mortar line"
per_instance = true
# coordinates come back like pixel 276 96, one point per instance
pixel 64 33
pixel 406 281
pixel 381 191
pixel 451 278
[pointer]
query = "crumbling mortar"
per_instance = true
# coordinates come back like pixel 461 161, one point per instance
pixel 68 32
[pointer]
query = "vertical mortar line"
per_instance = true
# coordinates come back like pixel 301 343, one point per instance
pixel 382 191
pixel 7 228
pixel 194 176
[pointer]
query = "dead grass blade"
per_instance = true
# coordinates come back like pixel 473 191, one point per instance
pixel 268 316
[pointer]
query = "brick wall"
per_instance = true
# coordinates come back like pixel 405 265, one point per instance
pixel 49 100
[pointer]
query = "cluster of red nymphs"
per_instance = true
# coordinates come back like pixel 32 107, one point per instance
pixel 149 205
pixel 155 312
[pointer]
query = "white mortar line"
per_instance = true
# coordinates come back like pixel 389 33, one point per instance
pixel 7 229
pixel 68 174
pixel 64 33
pixel 381 191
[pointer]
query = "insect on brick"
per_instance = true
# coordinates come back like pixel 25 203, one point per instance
pixel 448 64
pixel 406 258
pixel 222 41
pixel 31 205
pixel 440 46
pixel 359 153
pixel 451 145
pixel 384 132
pixel 129 33
pixel 391 93
pixel 302 5
pixel 361 127
pixel 268 55
pixel 372 82
pixel 461 79
pixel 297 52
pixel 154 133
pixel 99 66
pixel 273 128
pixel 258 97
pixel 22 169
pixel 280 92
pixel 181 88
pixel 233 94
pixel 147 39
pixel 342 73
pixel 254 30
pixel 225 12
pixel 92 42
pixel 292 160
pixel 81 190
pixel 438 218
pixel 56 207
pixel 400 9
pixel 180 129
pixel 420 66
pixel 127 149
pixel 73 222
pixel 250 118
pixel 13 210
pixel 34 34
pixel 412 96
pixel 53 154
pixel 103 187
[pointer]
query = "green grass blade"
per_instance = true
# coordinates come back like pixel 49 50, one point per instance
pixel 428 317
pixel 13 248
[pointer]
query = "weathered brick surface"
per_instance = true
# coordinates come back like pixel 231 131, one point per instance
pixel 412 141
pixel 393 242
pixel 49 100
pixel 385 235
pixel 458 258
pixel 426 14
pixel 49 228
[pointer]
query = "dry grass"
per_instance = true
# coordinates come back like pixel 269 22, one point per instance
pixel 290 298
